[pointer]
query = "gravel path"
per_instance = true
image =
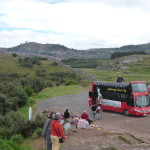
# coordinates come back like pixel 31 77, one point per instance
pixel 133 129
pixel 75 103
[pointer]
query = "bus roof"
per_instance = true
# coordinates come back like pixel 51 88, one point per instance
pixel 111 84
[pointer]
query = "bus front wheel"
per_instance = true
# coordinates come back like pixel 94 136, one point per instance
pixel 126 113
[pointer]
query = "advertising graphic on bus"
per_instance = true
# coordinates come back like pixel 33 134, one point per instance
pixel 131 98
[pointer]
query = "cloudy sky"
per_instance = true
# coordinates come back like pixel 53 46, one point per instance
pixel 79 24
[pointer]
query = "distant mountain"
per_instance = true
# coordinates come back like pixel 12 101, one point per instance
pixel 53 50
pixel 2 50
pixel 62 52
pixel 106 52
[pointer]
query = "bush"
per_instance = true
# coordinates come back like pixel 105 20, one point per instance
pixel 14 55
pixel 2 104
pixel 49 84
pixel 39 121
pixel 72 82
pixel 54 64
pixel 13 124
pixel 40 73
pixel 37 133
pixel 17 138
pixel 28 128
pixel 8 145
pixel 29 91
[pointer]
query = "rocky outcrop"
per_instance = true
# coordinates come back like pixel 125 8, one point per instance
pixel 120 63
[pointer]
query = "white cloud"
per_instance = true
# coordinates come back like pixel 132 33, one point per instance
pixel 80 24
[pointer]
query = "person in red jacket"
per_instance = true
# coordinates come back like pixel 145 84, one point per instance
pixel 86 117
pixel 56 131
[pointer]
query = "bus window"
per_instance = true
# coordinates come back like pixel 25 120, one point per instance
pixel 123 97
pixel 115 96
pixel 130 100
pixel 142 101
pixel 139 87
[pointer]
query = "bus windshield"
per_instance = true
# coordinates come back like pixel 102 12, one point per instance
pixel 139 87
pixel 142 101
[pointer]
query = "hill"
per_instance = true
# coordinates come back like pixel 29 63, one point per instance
pixel 106 52
pixel 53 50
pixel 59 52
pixel 133 68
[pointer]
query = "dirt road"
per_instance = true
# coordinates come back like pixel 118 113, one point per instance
pixel 118 131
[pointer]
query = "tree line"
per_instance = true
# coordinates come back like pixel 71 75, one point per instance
pixel 121 54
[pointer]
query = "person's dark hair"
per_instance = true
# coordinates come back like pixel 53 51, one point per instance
pixel 51 115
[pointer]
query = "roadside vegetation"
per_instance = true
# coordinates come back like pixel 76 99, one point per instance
pixel 23 82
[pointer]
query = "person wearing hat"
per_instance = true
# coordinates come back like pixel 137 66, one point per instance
pixel 56 132
pixel 47 130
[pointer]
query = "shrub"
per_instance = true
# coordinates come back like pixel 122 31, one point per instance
pixel 29 91
pixel 14 55
pixel 49 84
pixel 28 128
pixel 13 124
pixel 40 73
pixel 39 121
pixel 37 133
pixel 54 64
pixel 2 104
pixel 8 145
pixel 17 138
pixel 72 82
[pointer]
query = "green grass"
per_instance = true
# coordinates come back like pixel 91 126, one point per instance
pixel 111 76
pixel 49 93
pixel 27 144
pixel 9 65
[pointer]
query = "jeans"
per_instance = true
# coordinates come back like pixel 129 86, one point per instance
pixel 48 141
pixel 93 115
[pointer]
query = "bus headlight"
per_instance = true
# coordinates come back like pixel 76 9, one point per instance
pixel 141 111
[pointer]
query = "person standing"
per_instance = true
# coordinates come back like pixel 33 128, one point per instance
pixel 47 130
pixel 120 79
pixel 93 108
pixel 56 132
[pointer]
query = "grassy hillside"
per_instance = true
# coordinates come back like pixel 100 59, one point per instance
pixel 137 71
pixel 9 65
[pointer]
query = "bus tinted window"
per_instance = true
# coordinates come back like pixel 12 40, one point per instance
pixel 130 100
pixel 139 87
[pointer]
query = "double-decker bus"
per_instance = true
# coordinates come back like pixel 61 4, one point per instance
pixel 131 98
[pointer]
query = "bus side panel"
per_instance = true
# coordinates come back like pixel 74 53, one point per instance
pixel 112 105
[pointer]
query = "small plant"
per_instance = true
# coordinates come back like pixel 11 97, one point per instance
pixel 37 133
pixel 125 140
pixel 72 82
